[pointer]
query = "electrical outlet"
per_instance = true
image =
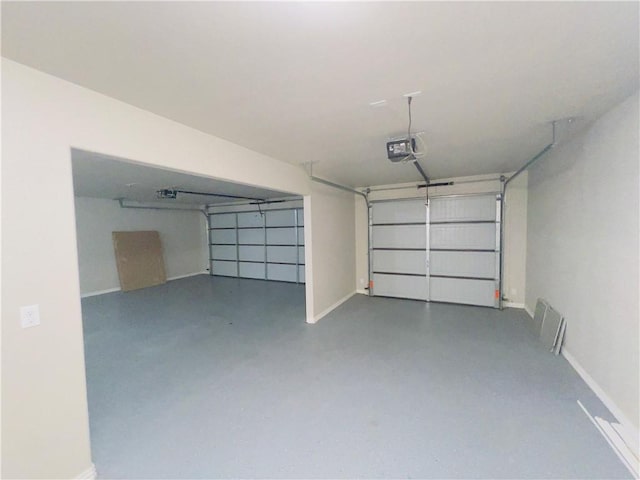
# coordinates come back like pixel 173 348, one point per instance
pixel 513 291
pixel 362 281
pixel 29 316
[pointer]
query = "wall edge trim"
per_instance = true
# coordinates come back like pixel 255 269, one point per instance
pixel 600 393
pixel 514 305
pixel 117 289
pixel 529 312
pixel 597 389
pixel 331 308
pixel 100 292
pixel 89 474
pixel 177 277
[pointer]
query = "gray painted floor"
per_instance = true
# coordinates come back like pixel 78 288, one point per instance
pixel 214 377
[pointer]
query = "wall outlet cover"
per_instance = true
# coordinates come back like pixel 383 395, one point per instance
pixel 29 316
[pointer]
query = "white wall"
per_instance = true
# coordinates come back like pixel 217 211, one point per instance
pixel 182 233
pixel 330 228
pixel 583 249
pixel 515 224
pixel 45 429
pixel 515 241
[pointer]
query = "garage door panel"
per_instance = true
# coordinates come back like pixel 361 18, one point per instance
pixel 471 236
pixel 399 236
pixel 400 261
pixel 281 236
pixel 461 209
pixel 282 254
pixel 283 273
pixel 226 237
pixel 457 290
pixel 226 269
pixel 253 253
pixel 280 218
pixel 251 270
pixel 223 220
pixel 463 264
pixel 223 252
pixel 408 211
pixel 253 236
pixel 400 286
pixel 250 219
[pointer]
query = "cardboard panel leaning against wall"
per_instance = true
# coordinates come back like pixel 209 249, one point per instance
pixel 515 225
pixel 183 236
pixel 139 259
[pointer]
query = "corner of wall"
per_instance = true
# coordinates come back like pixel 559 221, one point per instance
pixel 89 474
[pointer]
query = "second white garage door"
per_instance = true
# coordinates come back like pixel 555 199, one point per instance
pixel 446 251
pixel 254 244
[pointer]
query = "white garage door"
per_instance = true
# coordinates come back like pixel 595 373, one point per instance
pixel 264 245
pixel 399 249
pixel 464 256
pixel 447 251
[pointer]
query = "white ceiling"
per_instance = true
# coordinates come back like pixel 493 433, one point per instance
pixel 101 176
pixel 294 80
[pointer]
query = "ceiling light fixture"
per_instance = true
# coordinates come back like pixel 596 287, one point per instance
pixel 379 103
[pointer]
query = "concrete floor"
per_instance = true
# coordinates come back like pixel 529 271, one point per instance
pixel 217 377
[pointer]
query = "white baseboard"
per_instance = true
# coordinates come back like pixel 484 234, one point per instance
pixel 362 292
pixel 177 277
pixel 331 308
pixel 513 305
pixel 117 289
pixel 526 309
pixel 89 474
pixel 621 447
pixel 100 292
pixel 597 389
pixel 600 393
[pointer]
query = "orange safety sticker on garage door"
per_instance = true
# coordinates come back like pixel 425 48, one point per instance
pixel 497 294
